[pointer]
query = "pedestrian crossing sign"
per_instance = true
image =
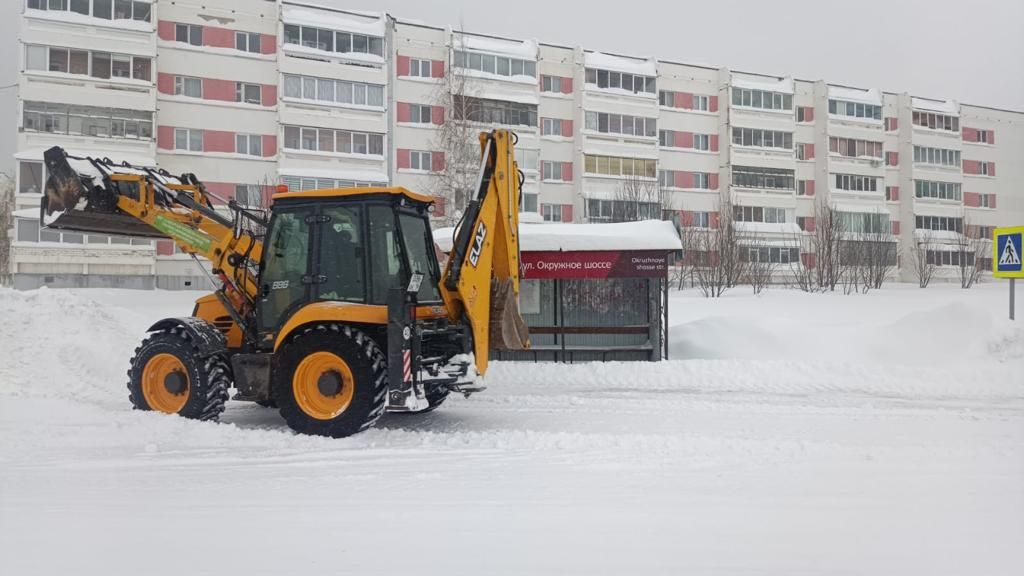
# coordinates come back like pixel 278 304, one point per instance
pixel 1006 252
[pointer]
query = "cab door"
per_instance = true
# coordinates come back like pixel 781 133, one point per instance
pixel 284 272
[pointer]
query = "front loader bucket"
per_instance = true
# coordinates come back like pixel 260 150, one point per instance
pixel 82 198
pixel 508 330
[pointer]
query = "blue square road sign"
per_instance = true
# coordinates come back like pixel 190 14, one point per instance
pixel 1006 252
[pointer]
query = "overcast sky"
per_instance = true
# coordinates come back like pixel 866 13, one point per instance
pixel 971 51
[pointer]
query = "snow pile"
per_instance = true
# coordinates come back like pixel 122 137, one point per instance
pixel 871 96
pixel 522 49
pixel 949 107
pixel 765 83
pixel 602 61
pixel 554 237
pixel 368 23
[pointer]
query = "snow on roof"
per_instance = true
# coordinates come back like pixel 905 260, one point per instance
pixel 641 66
pixel 523 49
pixel 334 173
pixel 369 23
pixel 76 18
pixel 781 85
pixel 872 96
pixel 509 95
pixel 37 154
pixel 944 106
pixel 358 57
pixel 644 235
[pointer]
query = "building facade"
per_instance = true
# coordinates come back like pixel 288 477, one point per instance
pixel 251 93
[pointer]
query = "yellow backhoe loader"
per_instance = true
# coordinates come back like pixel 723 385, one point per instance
pixel 331 305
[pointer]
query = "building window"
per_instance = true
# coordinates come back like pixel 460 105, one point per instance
pixel 82 62
pixel 856 183
pixel 328 140
pixel 494 111
pixel 189 33
pixel 852 148
pixel 801 187
pixel 333 91
pixel 30 177
pixel 529 203
pixel 420 113
pixel 804 114
pixel 28 230
pixel 770 255
pixel 985 168
pixel 700 219
pixel 248 195
pixel 855 109
pixel 621 81
pixel 248 93
pixel 551 212
pixel 419 67
pixel 621 210
pixel 701 102
pixel 892 193
pixel 937 190
pixel 304 183
pixel 249 144
pixel 527 159
pixel 758 138
pixel 330 41
pixel 185 86
pixel 761 99
pixel 865 222
pixel 936 121
pixel 188 139
pixel 497 65
pixel 621 124
pixel 939 223
pixel 936 156
pixel 553 170
pixel 987 200
pixel 615 166
pixel 92 121
pixel 759 214
pixel 105 9
pixel 766 178
pixel 553 84
pixel 421 160
pixel 247 42
pixel 551 127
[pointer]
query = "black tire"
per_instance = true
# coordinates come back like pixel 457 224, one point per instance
pixel 208 378
pixel 369 372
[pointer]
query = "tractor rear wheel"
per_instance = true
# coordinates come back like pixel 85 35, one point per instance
pixel 169 374
pixel 330 380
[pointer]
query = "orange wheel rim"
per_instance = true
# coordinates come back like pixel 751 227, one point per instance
pixel 165 383
pixel 323 385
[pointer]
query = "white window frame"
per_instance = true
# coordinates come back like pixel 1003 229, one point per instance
pixel 193 34
pixel 417 66
pixel 551 212
pixel 242 96
pixel 246 193
pixel 244 42
pixel 702 142
pixel 701 103
pixel 417 158
pixel 421 113
pixel 551 171
pixel 702 180
pixel 249 144
pixel 193 139
pixel 182 83
pixel 551 127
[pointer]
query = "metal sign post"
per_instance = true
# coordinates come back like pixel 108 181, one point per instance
pixel 1006 258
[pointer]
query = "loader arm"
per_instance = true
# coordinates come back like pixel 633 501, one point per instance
pixel 97 196
pixel 481 279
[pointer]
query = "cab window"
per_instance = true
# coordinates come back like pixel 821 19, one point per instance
pixel 385 253
pixel 415 234
pixel 285 262
pixel 342 255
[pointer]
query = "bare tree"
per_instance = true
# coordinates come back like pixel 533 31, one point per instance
pixel 827 245
pixel 6 223
pixel 457 137
pixel 719 265
pixel 971 250
pixel 923 264
pixel 874 259
pixel 759 267
pixel 639 198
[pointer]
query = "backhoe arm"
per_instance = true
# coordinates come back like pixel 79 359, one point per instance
pixel 481 278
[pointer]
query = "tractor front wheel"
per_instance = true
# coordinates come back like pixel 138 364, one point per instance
pixel 169 374
pixel 330 380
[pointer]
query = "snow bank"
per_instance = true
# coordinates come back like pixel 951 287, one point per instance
pixel 945 106
pixel 368 23
pixel 554 237
pixel 522 49
pixel 641 66
pixel 781 85
pixel 871 96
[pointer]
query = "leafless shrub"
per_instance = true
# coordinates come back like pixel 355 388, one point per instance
pixel 6 223
pixel 972 251
pixel 923 265
pixel 826 245
pixel 718 264
pixel 759 269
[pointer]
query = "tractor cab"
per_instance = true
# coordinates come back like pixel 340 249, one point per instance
pixel 347 246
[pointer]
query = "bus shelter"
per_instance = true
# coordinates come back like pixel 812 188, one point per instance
pixel 593 292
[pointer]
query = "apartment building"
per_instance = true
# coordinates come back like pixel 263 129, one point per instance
pixel 251 93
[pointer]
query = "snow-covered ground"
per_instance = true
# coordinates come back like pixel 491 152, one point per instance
pixel 791 434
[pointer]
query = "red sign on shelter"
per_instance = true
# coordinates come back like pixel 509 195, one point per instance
pixel 596 265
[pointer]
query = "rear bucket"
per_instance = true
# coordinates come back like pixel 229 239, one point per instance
pixel 84 200
pixel 508 330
